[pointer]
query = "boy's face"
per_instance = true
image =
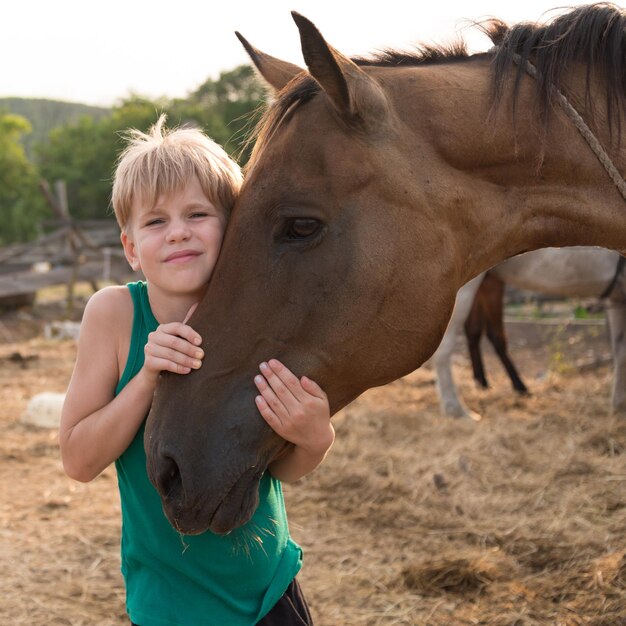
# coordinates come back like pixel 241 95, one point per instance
pixel 176 242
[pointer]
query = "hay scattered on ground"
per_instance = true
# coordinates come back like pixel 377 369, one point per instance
pixel 518 520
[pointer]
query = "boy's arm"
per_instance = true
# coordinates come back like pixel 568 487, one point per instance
pixel 297 410
pixel 97 426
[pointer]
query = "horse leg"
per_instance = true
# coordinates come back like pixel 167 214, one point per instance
pixel 616 317
pixel 474 326
pixel 499 345
pixel 493 307
pixel 451 403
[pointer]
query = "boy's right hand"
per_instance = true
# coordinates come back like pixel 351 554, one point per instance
pixel 174 348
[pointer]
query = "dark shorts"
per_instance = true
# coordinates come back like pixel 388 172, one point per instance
pixel 290 610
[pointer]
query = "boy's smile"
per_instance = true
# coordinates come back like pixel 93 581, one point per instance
pixel 182 256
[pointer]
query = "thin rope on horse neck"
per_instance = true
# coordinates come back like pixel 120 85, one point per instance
pixel 585 131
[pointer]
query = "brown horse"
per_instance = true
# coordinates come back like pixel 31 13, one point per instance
pixel 487 316
pixel 376 189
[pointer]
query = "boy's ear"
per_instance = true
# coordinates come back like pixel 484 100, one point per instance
pixel 129 251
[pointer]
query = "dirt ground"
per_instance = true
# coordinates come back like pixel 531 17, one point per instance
pixel 517 520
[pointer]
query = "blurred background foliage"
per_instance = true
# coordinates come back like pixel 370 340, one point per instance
pixel 50 140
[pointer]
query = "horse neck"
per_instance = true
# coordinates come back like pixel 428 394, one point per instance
pixel 505 186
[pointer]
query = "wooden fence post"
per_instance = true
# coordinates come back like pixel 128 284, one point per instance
pixel 74 237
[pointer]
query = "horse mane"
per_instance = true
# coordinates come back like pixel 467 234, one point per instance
pixel 424 54
pixel 592 35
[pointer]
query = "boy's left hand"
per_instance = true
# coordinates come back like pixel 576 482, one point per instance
pixel 296 409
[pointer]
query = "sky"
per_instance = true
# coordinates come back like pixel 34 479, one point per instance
pixel 99 52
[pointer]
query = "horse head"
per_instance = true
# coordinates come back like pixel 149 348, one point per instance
pixel 312 267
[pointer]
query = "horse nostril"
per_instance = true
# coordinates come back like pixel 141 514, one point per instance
pixel 169 479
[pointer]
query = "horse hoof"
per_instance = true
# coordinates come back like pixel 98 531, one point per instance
pixel 474 416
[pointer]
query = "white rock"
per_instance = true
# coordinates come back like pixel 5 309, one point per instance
pixel 44 410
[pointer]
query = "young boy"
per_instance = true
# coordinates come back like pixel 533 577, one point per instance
pixel 172 194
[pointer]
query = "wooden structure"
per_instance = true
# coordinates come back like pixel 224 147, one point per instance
pixel 73 251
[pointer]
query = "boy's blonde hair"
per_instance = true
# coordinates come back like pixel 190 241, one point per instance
pixel 163 160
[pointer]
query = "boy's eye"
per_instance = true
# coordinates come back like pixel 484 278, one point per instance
pixel 199 214
pixel 154 222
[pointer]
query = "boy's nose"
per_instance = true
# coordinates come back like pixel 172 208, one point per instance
pixel 178 232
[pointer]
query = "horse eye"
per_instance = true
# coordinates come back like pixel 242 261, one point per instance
pixel 302 228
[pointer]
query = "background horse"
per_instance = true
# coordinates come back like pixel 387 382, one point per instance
pixel 376 189
pixel 486 317
pixel 567 272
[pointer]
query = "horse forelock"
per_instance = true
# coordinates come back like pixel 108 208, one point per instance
pixel 593 35
pixel 297 92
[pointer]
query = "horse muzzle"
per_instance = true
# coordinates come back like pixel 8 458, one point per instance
pixel 191 510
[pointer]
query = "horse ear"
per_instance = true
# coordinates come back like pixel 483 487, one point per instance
pixel 356 97
pixel 276 73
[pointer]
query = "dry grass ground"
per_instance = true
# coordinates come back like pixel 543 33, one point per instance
pixel 518 520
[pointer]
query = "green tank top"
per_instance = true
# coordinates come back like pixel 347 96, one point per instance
pixel 200 580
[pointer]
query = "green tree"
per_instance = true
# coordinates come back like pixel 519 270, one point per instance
pixel 84 153
pixel 21 204
pixel 236 98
